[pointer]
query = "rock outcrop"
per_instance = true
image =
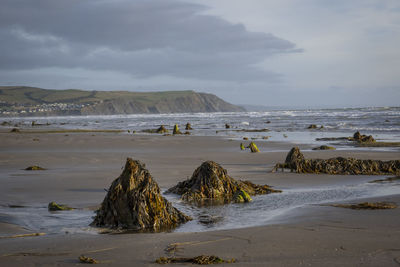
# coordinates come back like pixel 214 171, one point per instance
pixel 188 127
pixel 253 147
pixel 211 184
pixel 134 202
pixel 296 162
pixel 361 138
pixel 176 130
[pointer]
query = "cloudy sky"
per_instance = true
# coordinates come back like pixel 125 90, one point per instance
pixel 275 53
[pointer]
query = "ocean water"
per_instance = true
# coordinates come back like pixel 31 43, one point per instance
pixel 288 125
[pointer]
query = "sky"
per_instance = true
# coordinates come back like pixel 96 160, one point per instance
pixel 300 53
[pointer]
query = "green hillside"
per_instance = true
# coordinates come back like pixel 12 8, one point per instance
pixel 33 95
pixel 31 101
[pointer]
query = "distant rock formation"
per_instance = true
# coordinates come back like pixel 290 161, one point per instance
pixel 134 202
pixel 296 162
pixel 211 184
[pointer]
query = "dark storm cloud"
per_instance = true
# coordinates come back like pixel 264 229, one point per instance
pixel 144 38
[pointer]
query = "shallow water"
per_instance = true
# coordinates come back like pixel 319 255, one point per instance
pixel 264 210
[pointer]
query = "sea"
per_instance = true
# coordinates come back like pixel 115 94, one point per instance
pixel 287 125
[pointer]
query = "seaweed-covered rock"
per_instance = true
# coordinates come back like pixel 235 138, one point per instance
pixel 227 126
pixel 253 147
pixel 188 127
pixel 176 130
pixel 15 130
pixel 34 168
pixel 295 161
pixel 134 202
pixel 361 138
pixel 53 206
pixel 324 147
pixel 312 126
pixel 241 196
pixel 162 130
pixel 211 183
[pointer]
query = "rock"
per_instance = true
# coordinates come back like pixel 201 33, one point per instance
pixel 211 183
pixel 323 147
pixel 159 130
pixel 34 168
pixel 176 130
pixel 242 146
pixel 268 122
pixel 295 161
pixel 209 219
pixel 363 138
pixel 188 127
pixel 187 133
pixel 15 130
pixel 84 259
pixel 245 138
pixel 134 202
pixel 227 126
pixel 53 206
pixel 241 196
pixel 162 130
pixel 312 126
pixel 253 147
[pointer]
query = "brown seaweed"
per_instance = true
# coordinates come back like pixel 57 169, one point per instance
pixel 296 162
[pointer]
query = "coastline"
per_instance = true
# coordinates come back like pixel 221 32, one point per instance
pixel 80 165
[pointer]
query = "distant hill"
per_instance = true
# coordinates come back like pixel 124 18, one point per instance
pixel 31 101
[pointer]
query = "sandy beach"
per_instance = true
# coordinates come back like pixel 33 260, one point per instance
pixel 81 165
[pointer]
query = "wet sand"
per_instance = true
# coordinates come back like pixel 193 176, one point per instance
pixel 80 165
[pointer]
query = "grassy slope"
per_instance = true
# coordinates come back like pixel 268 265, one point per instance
pixel 31 95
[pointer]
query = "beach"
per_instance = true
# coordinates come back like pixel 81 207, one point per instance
pixel 80 166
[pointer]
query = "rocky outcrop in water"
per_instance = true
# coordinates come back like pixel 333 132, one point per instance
pixel 211 183
pixel 134 202
pixel 176 130
pixel 361 138
pixel 295 161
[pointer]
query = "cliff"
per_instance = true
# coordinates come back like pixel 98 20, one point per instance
pixel 26 101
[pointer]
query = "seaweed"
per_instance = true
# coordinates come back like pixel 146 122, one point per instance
pixel 34 168
pixel 295 161
pixel 367 206
pixel 253 147
pixel 53 206
pixel 188 127
pixel 134 202
pixel 211 184
pixel 84 259
pixel 242 146
pixel 323 147
pixel 176 130
pixel 200 260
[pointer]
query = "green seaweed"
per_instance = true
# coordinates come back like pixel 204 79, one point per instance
pixel 53 206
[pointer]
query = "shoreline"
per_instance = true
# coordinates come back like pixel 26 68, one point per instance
pixel 80 166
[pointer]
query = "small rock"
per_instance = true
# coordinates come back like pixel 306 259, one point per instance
pixel 34 168
pixel 176 130
pixel 188 127
pixel 53 206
